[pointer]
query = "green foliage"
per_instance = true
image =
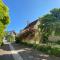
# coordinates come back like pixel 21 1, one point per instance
pixel 48 18
pixel 57 31
pixel 58 42
pixel 44 48
pixel 49 50
pixel 55 51
pixel 17 40
pixel 56 12
pixel 9 37
pixel 48 24
pixel 4 19
pixel 23 43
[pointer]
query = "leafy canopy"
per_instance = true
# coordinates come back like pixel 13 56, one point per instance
pixel 49 22
pixel 4 19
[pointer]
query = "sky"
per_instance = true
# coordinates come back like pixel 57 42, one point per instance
pixel 23 11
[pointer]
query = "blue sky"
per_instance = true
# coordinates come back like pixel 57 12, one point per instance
pixel 22 10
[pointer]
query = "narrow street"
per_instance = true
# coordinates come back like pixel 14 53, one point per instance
pixel 21 52
pixel 8 52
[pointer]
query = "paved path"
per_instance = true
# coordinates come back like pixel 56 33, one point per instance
pixel 5 53
pixel 10 54
pixel 21 52
pixel 15 54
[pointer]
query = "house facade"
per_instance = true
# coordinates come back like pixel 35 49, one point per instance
pixel 31 33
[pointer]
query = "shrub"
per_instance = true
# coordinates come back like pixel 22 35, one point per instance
pixel 17 40
pixel 27 44
pixel 55 51
pixel 43 48
pixel 49 50
pixel 58 42
pixel 35 46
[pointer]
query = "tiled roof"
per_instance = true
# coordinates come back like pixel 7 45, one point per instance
pixel 31 24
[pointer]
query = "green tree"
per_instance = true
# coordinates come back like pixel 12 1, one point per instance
pixel 4 19
pixel 56 13
pixel 48 24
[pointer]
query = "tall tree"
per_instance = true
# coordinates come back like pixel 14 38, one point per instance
pixel 56 13
pixel 48 23
pixel 4 19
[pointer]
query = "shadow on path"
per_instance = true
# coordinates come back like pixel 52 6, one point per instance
pixel 6 57
pixel 5 47
pixel 5 53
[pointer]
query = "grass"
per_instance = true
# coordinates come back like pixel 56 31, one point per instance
pixel 49 50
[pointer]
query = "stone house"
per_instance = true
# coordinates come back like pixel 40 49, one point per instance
pixel 31 33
